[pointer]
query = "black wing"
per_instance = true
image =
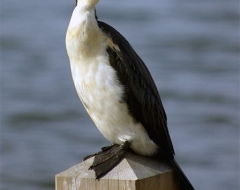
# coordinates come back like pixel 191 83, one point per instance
pixel 141 94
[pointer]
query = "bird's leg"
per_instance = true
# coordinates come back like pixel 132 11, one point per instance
pixel 105 148
pixel 106 160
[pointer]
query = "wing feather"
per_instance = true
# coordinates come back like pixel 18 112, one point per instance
pixel 141 94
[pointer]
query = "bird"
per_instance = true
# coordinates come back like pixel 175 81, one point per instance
pixel 118 92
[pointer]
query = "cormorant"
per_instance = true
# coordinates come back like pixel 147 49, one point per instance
pixel 117 91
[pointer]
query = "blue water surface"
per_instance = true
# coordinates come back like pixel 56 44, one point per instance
pixel 190 47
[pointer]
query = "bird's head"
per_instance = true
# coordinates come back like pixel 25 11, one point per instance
pixel 86 3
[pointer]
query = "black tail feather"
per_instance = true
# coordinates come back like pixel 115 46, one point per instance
pixel 184 183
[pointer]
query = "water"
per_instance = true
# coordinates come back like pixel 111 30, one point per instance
pixel 192 50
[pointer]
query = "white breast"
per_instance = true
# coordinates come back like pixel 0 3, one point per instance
pixel 98 87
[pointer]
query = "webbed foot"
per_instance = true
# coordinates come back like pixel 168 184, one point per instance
pixel 108 158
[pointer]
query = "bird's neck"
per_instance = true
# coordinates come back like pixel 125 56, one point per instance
pixel 83 34
pixel 86 4
pixel 82 16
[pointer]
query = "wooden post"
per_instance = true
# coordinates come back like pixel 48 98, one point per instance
pixel 134 172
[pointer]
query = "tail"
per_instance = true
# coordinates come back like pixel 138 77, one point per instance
pixel 184 183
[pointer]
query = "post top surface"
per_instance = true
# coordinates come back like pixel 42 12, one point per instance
pixel 132 167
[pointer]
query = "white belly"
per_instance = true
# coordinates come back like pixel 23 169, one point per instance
pixel 101 95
